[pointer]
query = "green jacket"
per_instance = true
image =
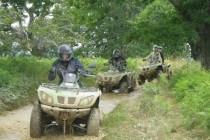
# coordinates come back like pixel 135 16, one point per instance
pixel 154 58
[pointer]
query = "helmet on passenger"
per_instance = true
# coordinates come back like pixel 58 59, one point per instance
pixel 155 47
pixel 64 52
pixel 116 53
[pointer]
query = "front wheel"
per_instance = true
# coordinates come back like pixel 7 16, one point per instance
pixel 141 80
pixel 36 121
pixel 133 85
pixel 123 87
pixel 93 123
pixel 169 74
pixel 100 87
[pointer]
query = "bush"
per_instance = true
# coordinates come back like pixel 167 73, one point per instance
pixel 5 77
pixel 19 79
pixel 190 86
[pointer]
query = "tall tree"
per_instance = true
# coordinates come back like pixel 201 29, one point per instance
pixel 158 23
pixel 106 22
pixel 26 9
pixel 6 31
pixel 197 13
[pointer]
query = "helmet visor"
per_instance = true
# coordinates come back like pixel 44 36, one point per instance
pixel 65 56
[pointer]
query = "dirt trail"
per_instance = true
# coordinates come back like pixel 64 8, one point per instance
pixel 14 125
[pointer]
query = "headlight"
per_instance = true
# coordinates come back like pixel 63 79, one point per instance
pixel 118 78
pixel 86 101
pixel 45 97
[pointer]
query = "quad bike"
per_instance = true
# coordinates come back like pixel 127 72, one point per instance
pixel 151 72
pixel 68 105
pixel 113 79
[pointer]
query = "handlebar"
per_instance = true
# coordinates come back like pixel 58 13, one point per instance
pixel 88 75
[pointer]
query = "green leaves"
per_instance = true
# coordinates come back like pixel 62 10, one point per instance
pixel 194 10
pixel 19 79
pixel 159 23
pixel 104 25
pixel 190 86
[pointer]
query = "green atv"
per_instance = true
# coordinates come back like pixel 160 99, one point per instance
pixel 151 72
pixel 113 79
pixel 69 106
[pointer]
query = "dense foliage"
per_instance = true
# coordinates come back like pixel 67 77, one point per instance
pixel 190 86
pixel 99 26
pixel 19 79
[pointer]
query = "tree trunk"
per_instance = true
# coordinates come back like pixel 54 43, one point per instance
pixel 195 50
pixel 204 43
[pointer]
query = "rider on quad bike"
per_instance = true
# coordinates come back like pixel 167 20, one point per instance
pixel 70 105
pixel 154 57
pixel 117 77
pixel 118 60
pixel 64 61
pixel 154 67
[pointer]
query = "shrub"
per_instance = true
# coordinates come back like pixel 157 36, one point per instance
pixel 19 79
pixel 190 86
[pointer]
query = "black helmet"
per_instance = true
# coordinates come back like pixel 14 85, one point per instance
pixel 116 53
pixel 64 49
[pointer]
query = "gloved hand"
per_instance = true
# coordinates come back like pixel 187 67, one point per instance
pixel 53 70
pixel 89 73
pixel 52 73
pixel 85 73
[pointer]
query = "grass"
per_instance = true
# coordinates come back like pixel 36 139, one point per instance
pixel 117 124
pixel 147 117
pixel 175 109
pixel 190 87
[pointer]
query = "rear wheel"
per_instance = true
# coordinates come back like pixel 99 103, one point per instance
pixel 133 85
pixel 36 129
pixel 123 87
pixel 93 122
pixel 141 80
pixel 169 74
pixel 101 87
pixel 108 89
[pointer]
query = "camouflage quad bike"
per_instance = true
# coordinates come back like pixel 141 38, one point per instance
pixel 151 72
pixel 69 105
pixel 113 79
